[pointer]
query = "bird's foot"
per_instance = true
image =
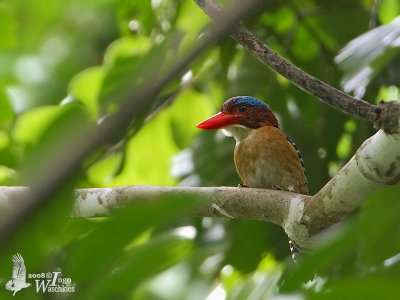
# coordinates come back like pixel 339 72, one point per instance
pixel 240 185
pixel 277 187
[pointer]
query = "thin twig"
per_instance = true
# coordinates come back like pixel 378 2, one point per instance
pixel 303 80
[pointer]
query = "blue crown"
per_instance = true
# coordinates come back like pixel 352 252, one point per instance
pixel 250 101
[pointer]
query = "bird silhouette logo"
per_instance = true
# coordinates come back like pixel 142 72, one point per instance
pixel 18 280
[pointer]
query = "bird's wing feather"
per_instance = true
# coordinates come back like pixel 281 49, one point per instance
pixel 19 269
pixel 265 159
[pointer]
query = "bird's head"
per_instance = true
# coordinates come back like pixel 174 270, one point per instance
pixel 239 115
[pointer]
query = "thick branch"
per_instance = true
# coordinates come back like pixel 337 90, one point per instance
pixel 303 80
pixel 241 203
pixel 375 165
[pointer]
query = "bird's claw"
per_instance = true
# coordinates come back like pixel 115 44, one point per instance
pixel 240 185
pixel 277 187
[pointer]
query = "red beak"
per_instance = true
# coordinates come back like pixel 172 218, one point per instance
pixel 220 120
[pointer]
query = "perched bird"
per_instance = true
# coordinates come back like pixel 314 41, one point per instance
pixel 18 280
pixel 264 156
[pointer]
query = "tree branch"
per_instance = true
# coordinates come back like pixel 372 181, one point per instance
pixel 375 165
pixel 242 203
pixel 303 80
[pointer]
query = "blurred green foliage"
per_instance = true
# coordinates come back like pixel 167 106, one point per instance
pixel 64 65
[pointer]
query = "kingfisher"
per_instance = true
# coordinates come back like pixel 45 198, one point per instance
pixel 264 156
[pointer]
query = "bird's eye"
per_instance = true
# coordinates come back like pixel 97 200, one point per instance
pixel 243 108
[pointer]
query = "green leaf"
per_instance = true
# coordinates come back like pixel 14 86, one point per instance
pixel 111 238
pixel 126 66
pixel 6 111
pixel 361 289
pixel 265 237
pixel 126 47
pixel 140 264
pixel 344 146
pixel 142 164
pixel 139 11
pixel 188 109
pixel 8 29
pixel 86 85
pixel 52 135
pixel 388 10
pixel 191 20
pixel 285 19
pixel 31 124
pixel 304 40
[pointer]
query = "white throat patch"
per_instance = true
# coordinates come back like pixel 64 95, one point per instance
pixel 239 132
